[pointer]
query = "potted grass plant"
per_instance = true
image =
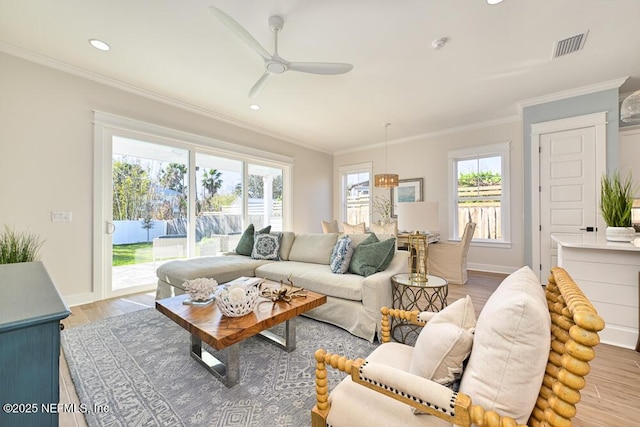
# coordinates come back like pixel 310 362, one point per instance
pixel 616 201
pixel 19 246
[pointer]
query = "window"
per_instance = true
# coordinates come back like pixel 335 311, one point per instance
pixel 355 193
pixel 480 192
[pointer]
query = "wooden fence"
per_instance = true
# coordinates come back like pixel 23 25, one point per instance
pixel 487 218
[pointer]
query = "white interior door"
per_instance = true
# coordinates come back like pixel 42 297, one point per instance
pixel 568 157
pixel 568 189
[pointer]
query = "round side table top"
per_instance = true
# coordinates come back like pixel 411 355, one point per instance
pixel 432 281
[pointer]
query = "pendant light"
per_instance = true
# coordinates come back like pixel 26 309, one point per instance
pixel 630 108
pixel 386 180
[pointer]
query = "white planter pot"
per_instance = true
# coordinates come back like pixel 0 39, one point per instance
pixel 620 234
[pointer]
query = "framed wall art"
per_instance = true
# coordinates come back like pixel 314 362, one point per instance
pixel 407 191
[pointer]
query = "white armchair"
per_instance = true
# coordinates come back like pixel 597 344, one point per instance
pixel 514 375
pixel 449 260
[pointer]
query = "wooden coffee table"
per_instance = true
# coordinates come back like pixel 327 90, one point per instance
pixel 207 324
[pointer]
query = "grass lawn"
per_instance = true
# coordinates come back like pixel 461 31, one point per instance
pixel 132 253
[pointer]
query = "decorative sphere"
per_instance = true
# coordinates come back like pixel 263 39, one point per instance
pixel 236 294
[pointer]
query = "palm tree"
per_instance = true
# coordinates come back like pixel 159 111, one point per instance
pixel 211 181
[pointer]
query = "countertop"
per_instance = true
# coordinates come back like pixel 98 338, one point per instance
pixel 596 241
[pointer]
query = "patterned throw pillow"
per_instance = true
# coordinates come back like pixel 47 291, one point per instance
pixel 245 245
pixel 266 246
pixel 341 255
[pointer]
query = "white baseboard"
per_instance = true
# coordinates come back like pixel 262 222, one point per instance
pixel 490 268
pixel 79 299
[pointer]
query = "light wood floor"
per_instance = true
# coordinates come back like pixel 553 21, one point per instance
pixel 610 399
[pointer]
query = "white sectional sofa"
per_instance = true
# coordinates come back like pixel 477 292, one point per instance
pixel 353 301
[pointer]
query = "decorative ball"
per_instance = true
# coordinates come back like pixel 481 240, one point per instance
pixel 236 294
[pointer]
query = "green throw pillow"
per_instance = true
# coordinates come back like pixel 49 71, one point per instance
pixel 370 258
pixel 245 244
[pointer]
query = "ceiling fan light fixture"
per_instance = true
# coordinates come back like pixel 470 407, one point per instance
pixel 254 106
pixel 630 108
pixel 99 44
pixel 494 1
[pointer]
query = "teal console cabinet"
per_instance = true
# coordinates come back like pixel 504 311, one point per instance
pixel 30 313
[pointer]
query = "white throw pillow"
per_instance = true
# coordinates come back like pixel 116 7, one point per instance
pixel 445 342
pixel 460 313
pixel 510 348
pixel 439 352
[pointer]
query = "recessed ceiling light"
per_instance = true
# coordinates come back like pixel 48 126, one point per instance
pixel 439 43
pixel 494 1
pixel 254 106
pixel 99 44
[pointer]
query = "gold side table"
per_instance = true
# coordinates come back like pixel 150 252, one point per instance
pixel 408 295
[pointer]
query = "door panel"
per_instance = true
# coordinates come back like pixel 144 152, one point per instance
pixel 149 218
pixel 568 203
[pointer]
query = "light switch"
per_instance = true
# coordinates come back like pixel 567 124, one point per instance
pixel 61 216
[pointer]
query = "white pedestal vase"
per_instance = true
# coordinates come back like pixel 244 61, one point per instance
pixel 620 234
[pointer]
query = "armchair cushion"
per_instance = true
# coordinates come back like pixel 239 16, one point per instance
pixel 511 347
pixel 354 228
pixel 330 227
pixel 390 228
pixel 387 364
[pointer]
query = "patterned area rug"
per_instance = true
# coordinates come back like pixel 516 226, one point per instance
pixel 138 365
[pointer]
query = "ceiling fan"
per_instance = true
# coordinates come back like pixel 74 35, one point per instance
pixel 275 64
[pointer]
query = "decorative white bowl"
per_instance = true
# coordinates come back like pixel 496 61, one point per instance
pixel 237 300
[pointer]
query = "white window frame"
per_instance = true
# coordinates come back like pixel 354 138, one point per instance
pixel 107 125
pixel 502 150
pixel 343 171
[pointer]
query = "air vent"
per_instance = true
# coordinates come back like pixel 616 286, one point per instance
pixel 569 45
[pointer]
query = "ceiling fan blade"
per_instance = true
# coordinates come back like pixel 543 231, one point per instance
pixel 257 88
pixel 327 68
pixel 239 31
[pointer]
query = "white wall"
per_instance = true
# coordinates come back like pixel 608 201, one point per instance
pixel 427 158
pixel 630 155
pixel 46 160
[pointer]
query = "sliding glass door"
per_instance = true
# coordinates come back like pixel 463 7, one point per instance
pixel 162 194
pixel 150 217
pixel 219 204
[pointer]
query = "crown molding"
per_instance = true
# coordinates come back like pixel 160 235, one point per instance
pixel 431 135
pixel 65 67
pixel 570 93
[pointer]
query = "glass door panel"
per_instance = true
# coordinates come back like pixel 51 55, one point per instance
pixel 265 196
pixel 219 204
pixel 150 211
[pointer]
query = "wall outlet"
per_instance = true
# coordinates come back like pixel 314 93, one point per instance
pixel 61 216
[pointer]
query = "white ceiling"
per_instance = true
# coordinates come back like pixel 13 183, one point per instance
pixel 496 56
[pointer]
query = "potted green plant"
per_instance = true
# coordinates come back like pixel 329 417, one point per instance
pixel 18 246
pixel 616 201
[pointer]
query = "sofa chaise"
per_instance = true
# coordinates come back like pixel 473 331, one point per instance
pixel 353 301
